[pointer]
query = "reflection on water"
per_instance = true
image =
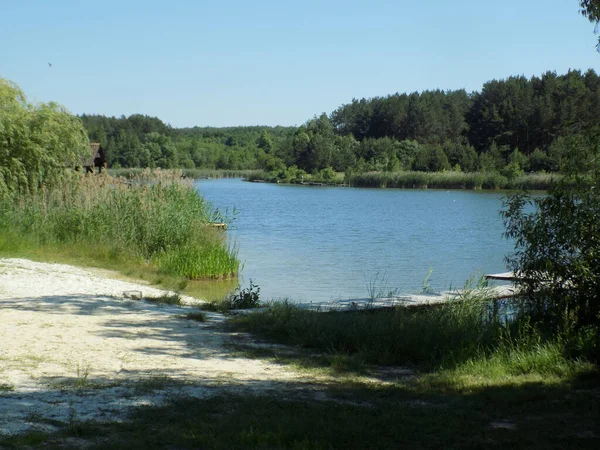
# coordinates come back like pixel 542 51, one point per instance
pixel 320 243
pixel 211 290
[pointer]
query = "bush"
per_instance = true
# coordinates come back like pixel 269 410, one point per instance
pixel 557 245
pixel 245 298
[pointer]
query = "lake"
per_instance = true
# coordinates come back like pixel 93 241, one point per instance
pixel 317 244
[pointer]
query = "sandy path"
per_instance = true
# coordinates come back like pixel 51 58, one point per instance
pixel 73 348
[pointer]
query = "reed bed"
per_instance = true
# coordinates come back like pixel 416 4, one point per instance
pixel 195 174
pixel 155 218
pixel 430 180
pixel 450 180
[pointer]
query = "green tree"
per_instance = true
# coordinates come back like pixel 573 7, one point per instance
pixel 36 141
pixel 265 142
pixel 539 161
pixel 557 237
pixel 406 151
pixel 517 163
pixel 431 158
pixel 557 243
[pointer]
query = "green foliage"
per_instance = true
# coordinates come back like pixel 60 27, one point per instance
pixel 36 142
pixel 244 298
pixel 512 170
pixel 448 335
pixel 539 161
pixel 327 174
pixel 401 336
pixel 265 142
pixel 517 161
pixel 205 257
pixel 430 131
pixel 557 245
pixel 293 175
pixel 431 159
pixel 161 222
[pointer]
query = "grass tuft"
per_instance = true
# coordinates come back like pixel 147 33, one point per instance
pixel 166 299
pixel 198 316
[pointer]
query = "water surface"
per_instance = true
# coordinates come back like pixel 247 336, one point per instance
pixel 323 243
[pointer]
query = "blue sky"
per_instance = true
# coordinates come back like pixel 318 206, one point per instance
pixel 220 63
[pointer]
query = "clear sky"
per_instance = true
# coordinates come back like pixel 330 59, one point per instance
pixel 267 62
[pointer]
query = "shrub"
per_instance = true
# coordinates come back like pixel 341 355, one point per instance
pixel 245 298
pixel 557 245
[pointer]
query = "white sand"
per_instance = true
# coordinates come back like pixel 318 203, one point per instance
pixel 62 327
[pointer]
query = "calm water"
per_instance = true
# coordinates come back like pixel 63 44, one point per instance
pixel 321 243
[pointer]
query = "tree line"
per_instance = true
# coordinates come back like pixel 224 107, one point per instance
pixel 143 141
pixel 512 125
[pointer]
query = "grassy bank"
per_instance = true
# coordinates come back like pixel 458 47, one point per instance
pixel 442 336
pixel 161 225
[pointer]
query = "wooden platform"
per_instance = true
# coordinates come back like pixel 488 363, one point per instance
pixel 505 276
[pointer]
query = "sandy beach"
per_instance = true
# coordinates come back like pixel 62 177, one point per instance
pixel 73 346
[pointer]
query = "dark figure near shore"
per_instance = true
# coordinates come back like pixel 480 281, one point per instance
pixel 95 158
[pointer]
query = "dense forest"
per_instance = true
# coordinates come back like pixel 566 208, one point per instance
pixel 511 126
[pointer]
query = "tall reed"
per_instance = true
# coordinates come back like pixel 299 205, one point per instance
pixel 187 173
pixel 449 180
pixel 161 221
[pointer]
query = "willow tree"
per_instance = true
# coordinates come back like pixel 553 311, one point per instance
pixel 591 10
pixel 37 141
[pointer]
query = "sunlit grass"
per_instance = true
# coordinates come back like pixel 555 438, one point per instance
pixel 161 224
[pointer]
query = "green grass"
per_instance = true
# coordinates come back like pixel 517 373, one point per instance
pixel 161 225
pixel 428 335
pixel 433 411
pixel 495 386
pixel 454 334
pixel 391 418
